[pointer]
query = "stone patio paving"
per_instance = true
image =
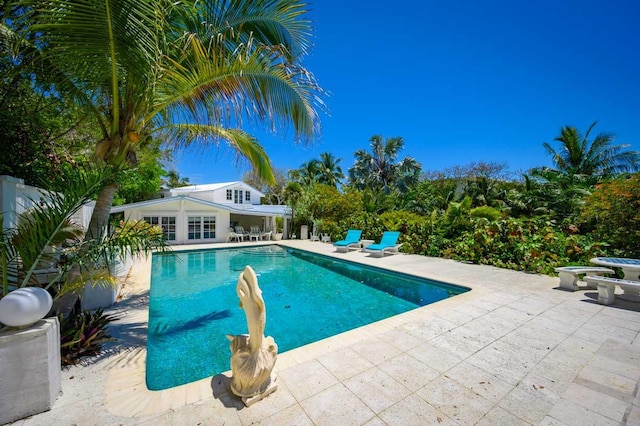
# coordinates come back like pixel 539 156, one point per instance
pixel 515 351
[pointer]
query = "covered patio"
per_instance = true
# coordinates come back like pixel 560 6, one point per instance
pixel 264 219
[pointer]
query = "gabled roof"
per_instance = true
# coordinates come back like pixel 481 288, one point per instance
pixel 248 209
pixel 210 187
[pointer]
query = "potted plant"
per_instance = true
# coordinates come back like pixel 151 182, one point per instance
pixel 279 225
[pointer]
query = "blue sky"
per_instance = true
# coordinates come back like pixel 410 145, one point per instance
pixel 460 80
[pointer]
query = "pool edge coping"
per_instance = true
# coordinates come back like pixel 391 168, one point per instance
pixel 126 394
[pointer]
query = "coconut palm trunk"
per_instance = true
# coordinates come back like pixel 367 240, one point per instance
pixel 100 215
pixel 95 232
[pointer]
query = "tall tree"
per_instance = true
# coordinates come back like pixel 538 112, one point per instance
pixel 307 174
pixel 577 155
pixel 186 71
pixel 329 170
pixel 325 171
pixel 143 181
pixel 378 169
pixel 42 134
pixel 174 180
pixel 273 192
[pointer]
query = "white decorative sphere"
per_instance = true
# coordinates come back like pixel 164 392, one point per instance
pixel 24 306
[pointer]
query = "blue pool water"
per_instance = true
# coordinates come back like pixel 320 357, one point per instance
pixel 193 304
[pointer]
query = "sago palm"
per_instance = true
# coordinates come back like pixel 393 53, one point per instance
pixel 184 71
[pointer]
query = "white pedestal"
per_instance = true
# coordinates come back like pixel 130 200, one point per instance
pixel 29 369
pixel 98 296
pixel 366 243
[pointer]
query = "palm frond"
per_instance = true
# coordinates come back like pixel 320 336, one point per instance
pixel 272 22
pixel 91 48
pixel 210 85
pixel 99 39
pixel 131 238
pixel 8 258
pixel 577 156
pixel 242 143
pixel 49 224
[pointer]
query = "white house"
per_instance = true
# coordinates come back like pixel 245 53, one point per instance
pixel 204 213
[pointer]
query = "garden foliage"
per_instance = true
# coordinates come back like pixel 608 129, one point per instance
pixel 581 208
pixel 612 213
pixel 82 334
pixel 608 225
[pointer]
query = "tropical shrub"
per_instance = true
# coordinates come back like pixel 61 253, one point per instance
pixel 536 245
pixel 409 224
pixel 48 237
pixel 612 213
pixel 82 334
pixel 325 202
pixel 456 217
pixel 369 223
pixel 489 213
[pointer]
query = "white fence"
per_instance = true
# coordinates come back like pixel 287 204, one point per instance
pixel 16 198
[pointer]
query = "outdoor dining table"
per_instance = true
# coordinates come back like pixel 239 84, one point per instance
pixel 630 269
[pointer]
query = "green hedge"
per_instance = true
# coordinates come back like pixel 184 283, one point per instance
pixel 534 245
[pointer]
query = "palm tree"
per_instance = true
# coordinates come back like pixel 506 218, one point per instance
pixel 307 174
pixel 485 192
pixel 329 170
pixel 174 180
pixel 183 71
pixel 559 193
pixel 293 192
pixel 579 156
pixel 379 171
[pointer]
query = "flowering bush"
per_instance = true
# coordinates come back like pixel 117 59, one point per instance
pixel 612 213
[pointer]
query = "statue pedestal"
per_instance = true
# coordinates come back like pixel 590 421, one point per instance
pixel 273 386
pixel 29 369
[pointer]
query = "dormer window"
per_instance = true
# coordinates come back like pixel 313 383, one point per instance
pixel 229 194
pixel 247 195
pixel 237 196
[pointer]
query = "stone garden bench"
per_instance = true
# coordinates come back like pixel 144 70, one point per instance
pixel 607 287
pixel 569 275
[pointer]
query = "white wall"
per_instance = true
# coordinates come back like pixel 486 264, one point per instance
pixel 83 216
pixel 182 210
pixel 16 198
pixel 220 195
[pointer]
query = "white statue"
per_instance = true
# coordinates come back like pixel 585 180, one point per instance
pixel 254 355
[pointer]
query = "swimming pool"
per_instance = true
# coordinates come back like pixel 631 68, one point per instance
pixel 193 304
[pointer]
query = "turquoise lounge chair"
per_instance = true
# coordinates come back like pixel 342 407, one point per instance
pixel 388 244
pixel 350 242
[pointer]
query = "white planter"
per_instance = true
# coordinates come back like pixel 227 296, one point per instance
pixel 102 295
pixel 277 236
pixel 24 306
pixel 98 296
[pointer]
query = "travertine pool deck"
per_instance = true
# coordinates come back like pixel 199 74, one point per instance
pixel 513 351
